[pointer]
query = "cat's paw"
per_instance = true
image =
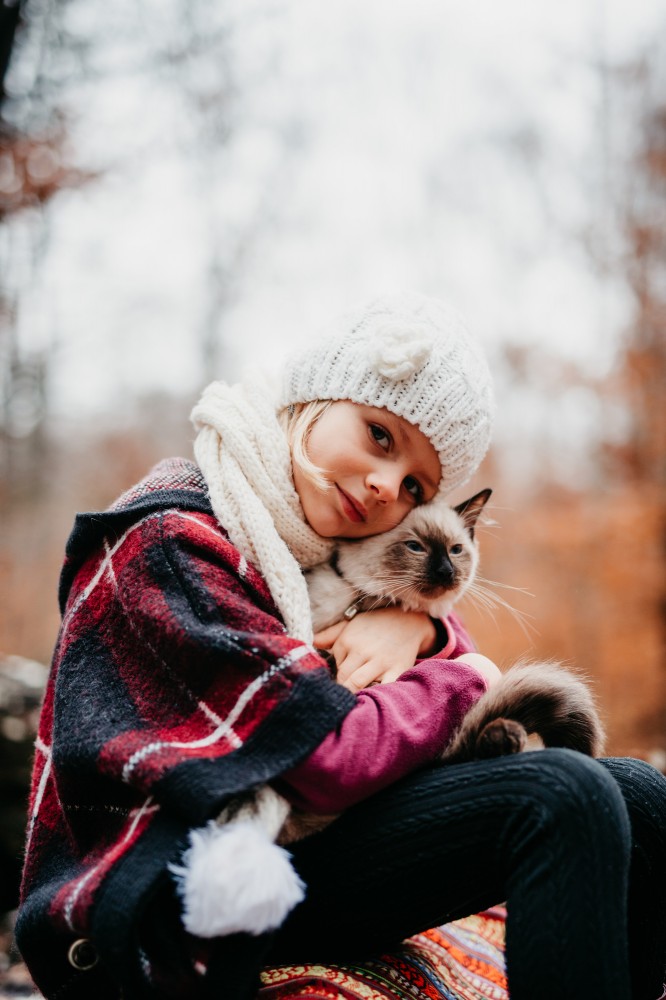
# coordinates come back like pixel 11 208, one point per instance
pixel 500 738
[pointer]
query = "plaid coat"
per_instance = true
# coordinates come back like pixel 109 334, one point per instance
pixel 174 687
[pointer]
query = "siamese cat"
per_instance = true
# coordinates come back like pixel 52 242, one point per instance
pixel 427 563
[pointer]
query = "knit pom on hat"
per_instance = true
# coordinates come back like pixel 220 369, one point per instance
pixel 398 351
pixel 414 356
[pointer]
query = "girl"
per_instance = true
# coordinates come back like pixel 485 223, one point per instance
pixel 187 709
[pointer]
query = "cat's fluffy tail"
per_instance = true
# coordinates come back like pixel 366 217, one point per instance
pixel 541 698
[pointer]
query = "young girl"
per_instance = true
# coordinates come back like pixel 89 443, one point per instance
pixel 187 708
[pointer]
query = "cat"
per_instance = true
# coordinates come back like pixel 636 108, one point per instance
pixel 427 563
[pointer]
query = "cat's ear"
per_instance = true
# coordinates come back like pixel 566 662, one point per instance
pixel 470 509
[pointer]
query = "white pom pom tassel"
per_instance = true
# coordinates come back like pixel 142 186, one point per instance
pixel 399 349
pixel 234 878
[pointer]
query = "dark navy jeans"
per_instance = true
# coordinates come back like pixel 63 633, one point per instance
pixel 576 847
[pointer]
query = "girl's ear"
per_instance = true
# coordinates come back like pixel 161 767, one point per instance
pixel 470 509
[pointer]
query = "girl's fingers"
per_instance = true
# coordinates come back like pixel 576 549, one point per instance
pixel 327 636
pixel 346 661
pixel 391 675
pixel 362 677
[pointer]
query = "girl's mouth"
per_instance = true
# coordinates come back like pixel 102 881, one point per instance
pixel 352 509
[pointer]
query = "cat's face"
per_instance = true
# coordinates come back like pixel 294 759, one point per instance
pixel 425 563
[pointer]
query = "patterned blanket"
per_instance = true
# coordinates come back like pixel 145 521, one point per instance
pixel 459 961
pixel 463 960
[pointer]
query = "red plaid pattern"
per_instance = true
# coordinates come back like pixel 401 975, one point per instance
pixel 173 682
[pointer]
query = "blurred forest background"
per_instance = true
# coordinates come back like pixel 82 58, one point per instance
pixel 187 188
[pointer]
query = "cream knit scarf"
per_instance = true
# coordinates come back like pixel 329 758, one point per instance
pixel 244 457
pixel 234 877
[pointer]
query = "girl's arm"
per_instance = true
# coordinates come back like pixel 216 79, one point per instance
pixel 392 730
pixel 378 646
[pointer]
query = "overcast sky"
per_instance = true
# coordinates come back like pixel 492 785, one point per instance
pixel 455 147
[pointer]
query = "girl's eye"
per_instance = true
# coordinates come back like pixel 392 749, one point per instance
pixel 414 546
pixel 413 487
pixel 456 550
pixel 382 437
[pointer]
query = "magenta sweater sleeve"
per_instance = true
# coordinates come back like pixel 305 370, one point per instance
pixel 454 637
pixel 392 730
pixel 461 638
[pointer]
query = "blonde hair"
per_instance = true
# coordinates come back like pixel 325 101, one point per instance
pixel 297 422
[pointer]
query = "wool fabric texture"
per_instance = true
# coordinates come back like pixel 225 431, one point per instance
pixel 244 456
pixel 174 691
pixel 413 355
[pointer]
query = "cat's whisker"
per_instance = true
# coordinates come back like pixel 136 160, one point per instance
pixel 480 597
pixel 380 602
pixel 397 594
pixel 504 586
pixel 491 529
pixel 489 601
pixel 489 595
pixel 395 585
pixel 483 603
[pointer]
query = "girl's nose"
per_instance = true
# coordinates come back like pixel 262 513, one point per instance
pixel 385 485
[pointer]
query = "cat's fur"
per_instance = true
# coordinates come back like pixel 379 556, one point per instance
pixel 541 699
pixel 424 564
pixel 427 563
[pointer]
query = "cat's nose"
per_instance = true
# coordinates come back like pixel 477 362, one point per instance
pixel 442 571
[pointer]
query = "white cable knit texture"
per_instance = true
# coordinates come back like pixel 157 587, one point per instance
pixel 244 456
pixel 413 355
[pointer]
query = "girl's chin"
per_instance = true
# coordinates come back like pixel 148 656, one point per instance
pixel 328 518
pixel 328 521
pixel 327 524
pixel 337 526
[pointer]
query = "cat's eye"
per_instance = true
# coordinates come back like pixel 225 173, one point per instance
pixel 414 546
pixel 456 550
pixel 382 437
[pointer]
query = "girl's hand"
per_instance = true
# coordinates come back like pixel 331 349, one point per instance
pixel 488 670
pixel 377 646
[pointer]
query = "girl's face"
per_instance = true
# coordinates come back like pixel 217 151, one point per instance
pixel 379 467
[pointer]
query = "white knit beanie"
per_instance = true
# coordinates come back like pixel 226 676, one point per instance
pixel 414 356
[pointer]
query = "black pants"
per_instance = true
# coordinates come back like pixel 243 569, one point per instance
pixel 576 847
